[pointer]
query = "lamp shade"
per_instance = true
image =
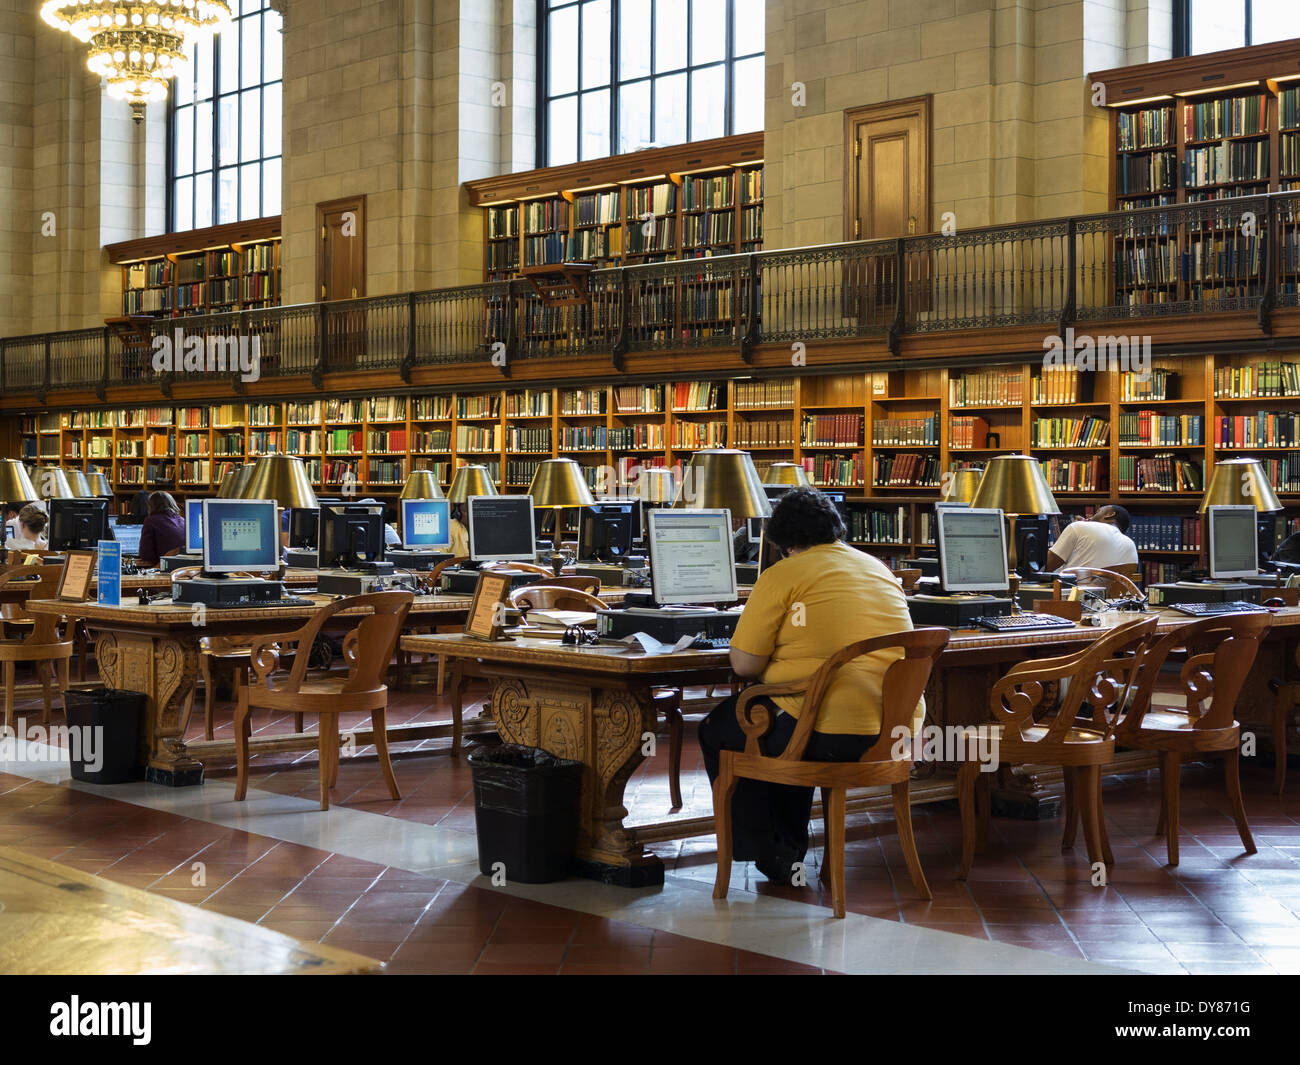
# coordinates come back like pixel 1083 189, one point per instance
pixel 421 484
pixel 15 485
pixel 657 485
pixel 233 482
pixel 962 484
pixel 279 477
pixel 80 483
pixel 559 483
pixel 723 478
pixel 471 481
pixel 1243 482
pixel 790 473
pixel 1014 484
pixel 52 483
pixel 99 484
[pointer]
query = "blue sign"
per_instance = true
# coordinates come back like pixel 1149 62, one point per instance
pixel 108 573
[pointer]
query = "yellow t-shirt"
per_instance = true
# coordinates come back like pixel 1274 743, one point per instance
pixel 807 607
pixel 459 538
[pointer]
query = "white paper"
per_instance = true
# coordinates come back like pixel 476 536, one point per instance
pixel 649 645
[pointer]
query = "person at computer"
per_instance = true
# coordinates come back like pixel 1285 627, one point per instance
pixel 822 596
pixel 163 529
pixel 459 533
pixel 1099 542
pixel 30 531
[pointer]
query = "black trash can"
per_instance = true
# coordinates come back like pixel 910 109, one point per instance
pixel 104 734
pixel 526 812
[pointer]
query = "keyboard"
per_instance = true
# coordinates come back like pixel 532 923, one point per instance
pixel 1023 622
pixel 711 643
pixel 283 601
pixel 1210 610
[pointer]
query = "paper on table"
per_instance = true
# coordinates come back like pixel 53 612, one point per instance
pixel 651 646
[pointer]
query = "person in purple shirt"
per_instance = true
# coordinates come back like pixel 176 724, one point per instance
pixel 163 530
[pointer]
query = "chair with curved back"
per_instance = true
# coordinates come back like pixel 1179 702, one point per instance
pixel 1028 733
pixel 49 653
pixel 1220 654
pixel 903 685
pixel 557 597
pixel 1117 584
pixel 368 650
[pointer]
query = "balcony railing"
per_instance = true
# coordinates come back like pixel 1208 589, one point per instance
pixel 1239 254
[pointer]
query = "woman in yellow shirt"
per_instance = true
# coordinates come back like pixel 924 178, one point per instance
pixel 822 596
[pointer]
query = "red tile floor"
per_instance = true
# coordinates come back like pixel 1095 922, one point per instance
pixel 1219 911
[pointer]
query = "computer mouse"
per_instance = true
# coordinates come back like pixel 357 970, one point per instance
pixel 1275 602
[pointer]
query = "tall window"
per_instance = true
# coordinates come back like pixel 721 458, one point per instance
pixel 225 130
pixel 1212 25
pixel 618 75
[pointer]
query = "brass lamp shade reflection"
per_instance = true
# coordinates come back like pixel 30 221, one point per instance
pixel 1014 484
pixel 52 483
pixel 15 485
pixel 80 484
pixel 279 477
pixel 470 481
pixel 720 478
pixel 99 484
pixel 1240 482
pixel 657 485
pixel 421 484
pixel 790 473
pixel 233 482
pixel 962 485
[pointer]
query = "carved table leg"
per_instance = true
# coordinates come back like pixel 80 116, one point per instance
pixel 164 667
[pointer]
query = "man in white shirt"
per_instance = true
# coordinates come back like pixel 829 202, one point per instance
pixel 1100 542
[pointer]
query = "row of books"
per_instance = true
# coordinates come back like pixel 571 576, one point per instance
pixel 432 408
pixel 530 403
pixel 1074 475
pixel 381 440
pixel 1229 161
pixel 343 441
pixel 431 440
pixel 1236 116
pixel 751 224
pixel 967 431
pixel 1145 387
pixel 159 445
pixel 1149 428
pixel 697 395
pixel 584 438
pixel 302 413
pixel 1165 533
pixel 385 471
pixel 543 215
pixel 714 191
pixel 1158 473
pixel 830 430
pixel 905 469
pixel 637 437
pixel 481 406
pixel 197 471
pixel 132 449
pixel 502 222
pixel 1220 256
pixel 583 401
pixel 588 244
pixel 908 430
pixel 1160 572
pixel 1283 471
pixel 751 185
pixel 695 435
pixel 1147 264
pixel 158 272
pixel 1261 429
pixel 386 409
pixel 1089 431
pixel 651 236
pixel 521 471
pixel 1145 173
pixel 1143 129
pixel 502 256
pixel 302 441
pixel 764 433
pixel 773 393
pixel 1057 385
pixel 540 251
pixel 711 227
pixel 983 388
pixel 639 399
pixel 596 208
pixel 518 439
pixel 873 525
pixel 836 471
pixel 343 410
pixel 476 438
pixel 652 199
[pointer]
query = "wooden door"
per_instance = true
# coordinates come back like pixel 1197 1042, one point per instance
pixel 886 192
pixel 341 275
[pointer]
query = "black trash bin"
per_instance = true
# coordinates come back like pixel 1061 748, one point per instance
pixel 104 730
pixel 526 812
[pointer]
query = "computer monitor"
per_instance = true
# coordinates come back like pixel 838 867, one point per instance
pixel 194 526
pixel 304 523
pixel 1233 541
pixel 77 524
pixel 1031 545
pixel 775 491
pixel 768 554
pixel 636 512
pixel 500 528
pixel 972 550
pixel 426 523
pixel 127 534
pixel 838 498
pixel 754 529
pixel 691 556
pixel 949 505
pixel 350 533
pixel 240 535
pixel 606 531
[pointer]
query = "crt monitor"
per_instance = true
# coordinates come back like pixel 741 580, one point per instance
pixel 606 531
pixel 500 528
pixel 1031 545
pixel 303 525
pixel 426 524
pixel 194 526
pixel 838 498
pixel 127 534
pixel 691 556
pixel 972 550
pixel 240 535
pixel 1233 541
pixel 78 524
pixel 350 534
pixel 775 491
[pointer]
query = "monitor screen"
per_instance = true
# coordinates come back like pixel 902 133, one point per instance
pixel 606 531
pixel 194 526
pixel 754 528
pixel 426 523
pixel 240 534
pixel 500 528
pixel 775 491
pixel 349 534
pixel 972 550
pixel 77 524
pixel 691 556
pixel 303 525
pixel 1234 541
pixel 950 505
pixel 128 535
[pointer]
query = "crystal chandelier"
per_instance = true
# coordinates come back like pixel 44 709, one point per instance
pixel 137 46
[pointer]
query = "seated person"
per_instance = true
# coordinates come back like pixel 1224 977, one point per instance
pixel 163 529
pixel 1099 542
pixel 1288 550
pixel 459 533
pixel 30 529
pixel 821 597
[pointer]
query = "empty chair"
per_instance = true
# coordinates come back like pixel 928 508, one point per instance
pixel 41 645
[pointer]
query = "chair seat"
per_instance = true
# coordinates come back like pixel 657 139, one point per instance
pixel 1168 728
pixel 17 651
pixel 1081 746
pixel 819 774
pixel 318 696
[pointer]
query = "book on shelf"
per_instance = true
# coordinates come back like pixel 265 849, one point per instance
pixel 880 525
pixel 1261 429
pixel 480 406
pixel 1074 475
pixel 1231 161
pixel 381 440
pixel 583 401
pixel 906 430
pixel 1152 532
pixel 756 433
pixel 658 199
pixel 343 441
pixel 1282 471
pixel 432 408
pixel 583 438
pixel 1256 380
pixel 1158 473
pixel 1089 431
pixel 905 469
pixel 597 208
pixel 302 441
pixel 696 395
pixel 476 438
pixel 647 436
pixel 830 430
pixel 836 471
pixel 386 409
pixel 1149 428
pixel 343 410
pixel 1136 174
pixel 1152 386
pixel 987 388
pixel 1234 116
pixel 639 399
pixel 695 435
pixel 967 431
pixel 432 440
pixel 1059 385
pixel 536 440
pixel 1149 128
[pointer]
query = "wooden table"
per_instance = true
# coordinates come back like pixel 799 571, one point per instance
pixel 56 920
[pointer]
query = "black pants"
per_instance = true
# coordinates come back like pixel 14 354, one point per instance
pixel 770 821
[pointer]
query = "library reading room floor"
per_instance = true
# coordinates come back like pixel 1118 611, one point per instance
pixel 400 881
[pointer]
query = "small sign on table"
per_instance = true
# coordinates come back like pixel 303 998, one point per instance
pixel 108 573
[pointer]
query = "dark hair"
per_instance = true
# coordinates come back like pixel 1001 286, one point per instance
pixel 34 518
pixel 803 517
pixel 163 503
pixel 1121 516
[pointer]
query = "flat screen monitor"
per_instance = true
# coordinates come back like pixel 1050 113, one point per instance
pixel 691 556
pixel 194 526
pixel 350 533
pixel 768 554
pixel 426 523
pixel 606 531
pixel 1031 544
pixel 636 511
pixel 950 505
pixel 838 498
pixel 240 535
pixel 1233 541
pixel 972 550
pixel 500 528
pixel 775 491
pixel 754 529
pixel 78 524
pixel 126 533
pixel 304 522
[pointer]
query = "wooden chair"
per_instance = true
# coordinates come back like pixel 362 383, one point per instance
pixel 557 597
pixel 405 658
pixel 903 685
pixel 1285 695
pixel 526 567
pixel 1104 673
pixel 368 650
pixel 49 653
pixel 1116 583
pixel 1220 654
